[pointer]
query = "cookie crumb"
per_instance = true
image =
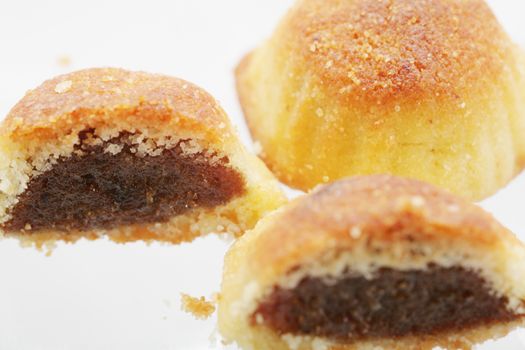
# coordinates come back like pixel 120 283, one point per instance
pixel 200 308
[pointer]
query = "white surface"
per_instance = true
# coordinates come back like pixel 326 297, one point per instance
pixel 99 295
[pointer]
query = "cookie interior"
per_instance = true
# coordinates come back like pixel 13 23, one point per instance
pixel 392 304
pixel 103 185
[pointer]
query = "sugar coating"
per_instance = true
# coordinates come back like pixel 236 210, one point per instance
pixel 381 50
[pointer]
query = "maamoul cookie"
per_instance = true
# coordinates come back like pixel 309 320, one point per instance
pixel 128 155
pixel 373 263
pixel 427 89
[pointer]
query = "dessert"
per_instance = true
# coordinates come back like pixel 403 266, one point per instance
pixel 127 155
pixel 373 262
pixel 430 89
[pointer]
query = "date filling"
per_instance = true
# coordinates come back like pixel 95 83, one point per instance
pixel 391 305
pixel 98 189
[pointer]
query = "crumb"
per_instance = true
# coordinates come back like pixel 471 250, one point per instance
pixel 198 307
pixel 113 149
pixel 64 61
pixel 49 248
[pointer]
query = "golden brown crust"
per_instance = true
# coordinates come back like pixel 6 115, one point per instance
pixel 113 95
pixel 382 51
pixel 383 208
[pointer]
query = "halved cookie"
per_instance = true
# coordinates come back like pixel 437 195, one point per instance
pixel 128 155
pixel 373 262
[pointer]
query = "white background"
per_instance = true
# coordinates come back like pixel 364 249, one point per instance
pixel 99 295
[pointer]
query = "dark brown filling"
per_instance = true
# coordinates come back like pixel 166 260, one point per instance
pixel 392 304
pixel 96 189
